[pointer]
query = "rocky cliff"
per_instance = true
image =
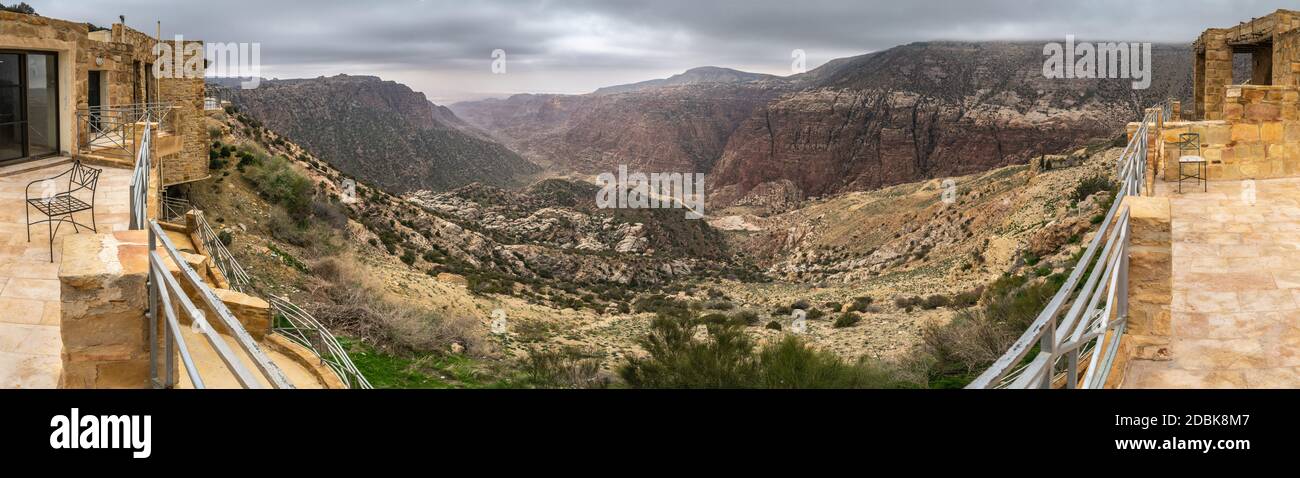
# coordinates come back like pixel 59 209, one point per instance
pixel 681 128
pixel 918 111
pixel 382 132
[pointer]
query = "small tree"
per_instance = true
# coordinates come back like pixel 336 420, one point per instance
pixel 21 7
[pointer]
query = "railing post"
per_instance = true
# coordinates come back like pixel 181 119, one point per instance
pixel 1121 292
pixel 1047 344
pixel 152 285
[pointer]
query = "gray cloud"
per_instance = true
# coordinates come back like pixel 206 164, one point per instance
pixel 443 47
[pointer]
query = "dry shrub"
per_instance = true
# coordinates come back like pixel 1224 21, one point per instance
pixel 361 307
pixel 569 368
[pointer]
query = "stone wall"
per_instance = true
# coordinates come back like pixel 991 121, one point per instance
pixel 1150 286
pixel 1286 58
pixel 185 90
pixel 103 324
pixel 1258 137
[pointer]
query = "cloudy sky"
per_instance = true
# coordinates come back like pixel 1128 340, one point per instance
pixel 443 48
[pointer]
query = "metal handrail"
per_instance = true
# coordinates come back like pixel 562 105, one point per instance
pixel 1087 326
pixel 162 289
pixel 299 326
pixel 114 127
pixel 235 274
pixel 174 209
pixel 289 320
pixel 140 182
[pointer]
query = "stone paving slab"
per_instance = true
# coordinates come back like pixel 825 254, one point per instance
pixel 30 344
pixel 1236 290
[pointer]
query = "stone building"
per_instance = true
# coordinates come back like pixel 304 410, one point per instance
pixel 1273 43
pixel 81 93
pixel 1249 130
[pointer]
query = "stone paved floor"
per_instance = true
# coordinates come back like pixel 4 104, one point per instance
pixel 29 284
pixel 1236 299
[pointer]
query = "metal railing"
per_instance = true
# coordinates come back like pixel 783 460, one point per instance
pixel 1090 329
pixel 236 276
pixel 287 318
pixel 174 209
pixel 140 182
pixel 299 326
pixel 113 128
pixel 163 290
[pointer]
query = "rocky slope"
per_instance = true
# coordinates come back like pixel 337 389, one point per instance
pixel 382 132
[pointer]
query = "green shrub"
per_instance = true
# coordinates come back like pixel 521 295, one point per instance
pixel 675 360
pixel 408 257
pixel 729 360
pixel 773 325
pixel 1031 258
pixel 1090 186
pixel 800 304
pixel 715 319
pixel 934 302
pixel 907 302
pixel 225 238
pixel 279 183
pixel 861 304
pixel 745 317
pixel 814 314
pixel 847 319
pixel 719 305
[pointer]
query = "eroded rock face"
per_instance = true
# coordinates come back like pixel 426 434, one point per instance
pixel 910 113
pixel 381 132
pixel 661 129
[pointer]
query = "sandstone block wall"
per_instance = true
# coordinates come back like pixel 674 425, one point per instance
pixel 103 324
pixel 1150 285
pixel 1258 138
pixel 1286 58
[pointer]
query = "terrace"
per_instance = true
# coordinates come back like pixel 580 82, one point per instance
pixel 149 298
pixel 1193 285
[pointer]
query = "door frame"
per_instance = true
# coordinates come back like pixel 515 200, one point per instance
pixel 22 104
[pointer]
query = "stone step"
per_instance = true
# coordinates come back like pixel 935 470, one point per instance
pixel 34 165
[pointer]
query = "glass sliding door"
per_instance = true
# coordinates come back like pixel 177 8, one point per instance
pixel 11 107
pixel 29 105
pixel 42 104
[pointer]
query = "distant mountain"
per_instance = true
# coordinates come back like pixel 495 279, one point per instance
pixel 382 132
pixel 667 128
pixel 693 76
pixel 912 112
pixel 929 110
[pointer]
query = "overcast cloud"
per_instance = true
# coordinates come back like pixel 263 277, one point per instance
pixel 443 48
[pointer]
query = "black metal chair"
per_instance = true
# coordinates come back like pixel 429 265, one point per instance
pixel 60 206
pixel 1188 142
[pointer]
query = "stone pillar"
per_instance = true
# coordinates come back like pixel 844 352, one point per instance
pixel 1150 285
pixel 103 326
pixel 1217 73
pixel 1175 111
